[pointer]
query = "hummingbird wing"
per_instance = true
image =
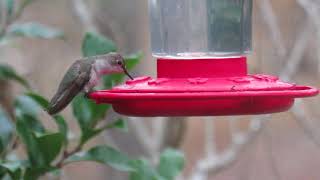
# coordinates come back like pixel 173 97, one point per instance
pixel 72 83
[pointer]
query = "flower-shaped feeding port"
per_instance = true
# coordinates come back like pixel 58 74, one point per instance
pixel 201 66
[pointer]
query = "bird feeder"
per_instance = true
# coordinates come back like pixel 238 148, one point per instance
pixel 201 48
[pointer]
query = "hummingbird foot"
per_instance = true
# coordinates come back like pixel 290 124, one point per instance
pixel 87 93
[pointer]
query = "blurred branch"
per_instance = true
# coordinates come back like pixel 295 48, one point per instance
pixel 239 140
pixel 312 9
pixel 173 132
pixel 272 23
pixel 6 98
pixel 303 120
pixel 84 15
pixel 166 132
pixel 297 52
pixel 298 110
pixel 141 131
pixel 270 154
pixel 6 20
pixel 2 15
pixel 210 146
pixel 157 128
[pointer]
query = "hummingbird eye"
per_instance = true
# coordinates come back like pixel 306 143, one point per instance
pixel 119 63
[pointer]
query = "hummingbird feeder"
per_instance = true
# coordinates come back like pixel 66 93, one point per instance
pixel 201 49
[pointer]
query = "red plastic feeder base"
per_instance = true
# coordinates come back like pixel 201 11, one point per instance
pixel 202 87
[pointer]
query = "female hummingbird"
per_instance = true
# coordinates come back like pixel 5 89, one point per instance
pixel 83 75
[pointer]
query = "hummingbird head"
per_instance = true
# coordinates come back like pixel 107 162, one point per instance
pixel 118 62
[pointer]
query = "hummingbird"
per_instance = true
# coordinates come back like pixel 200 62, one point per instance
pixel 83 75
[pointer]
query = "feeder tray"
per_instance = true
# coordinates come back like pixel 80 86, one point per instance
pixel 202 87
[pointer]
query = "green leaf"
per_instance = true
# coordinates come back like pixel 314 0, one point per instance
pixel 27 109
pixel 33 173
pixel 119 124
pixel 3 173
pixel 41 149
pixel 143 171
pixel 63 127
pixel 34 30
pixel 27 2
pixel 133 60
pixel 60 121
pixel 5 40
pixel 14 169
pixel 50 145
pixel 82 111
pixel 171 164
pixel 35 156
pixel 96 44
pixel 99 111
pixel 89 134
pixel 26 105
pixel 8 73
pixel 6 130
pixel 10 8
pixel 33 124
pixel 88 113
pixel 105 155
pixel 43 102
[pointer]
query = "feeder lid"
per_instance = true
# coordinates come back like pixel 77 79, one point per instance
pixel 235 95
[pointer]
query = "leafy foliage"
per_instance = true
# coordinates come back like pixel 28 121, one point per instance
pixel 171 163
pixel 6 130
pixel 47 150
pixel 13 169
pixel 34 30
pixel 105 155
pixel 60 121
pixel 8 73
pixel 144 171
pixel 10 7
pixel 28 137
pixel 96 44
pixel 119 124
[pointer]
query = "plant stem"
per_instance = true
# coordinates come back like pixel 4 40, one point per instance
pixel 67 154
pixel 11 20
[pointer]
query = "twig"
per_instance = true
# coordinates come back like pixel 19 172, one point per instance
pixel 83 14
pixel 272 23
pixel 295 57
pixel 217 163
pixel 158 127
pixel 210 146
pixel 141 131
pixel 304 122
pixel 173 132
pixel 67 154
pixel 312 9
pixel 270 153
pixel 8 21
pixel 3 19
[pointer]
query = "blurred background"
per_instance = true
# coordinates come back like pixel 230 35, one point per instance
pixel 286 42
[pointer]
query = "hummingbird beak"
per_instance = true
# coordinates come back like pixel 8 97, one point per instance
pixel 126 72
